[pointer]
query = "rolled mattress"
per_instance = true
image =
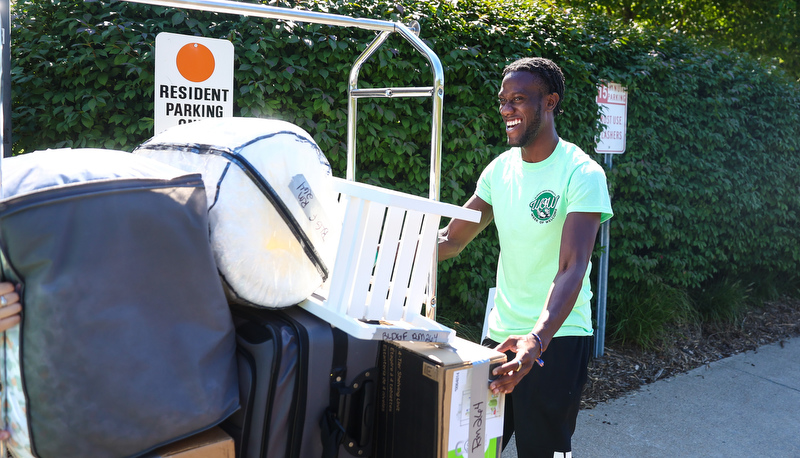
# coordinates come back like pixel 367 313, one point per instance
pixel 274 218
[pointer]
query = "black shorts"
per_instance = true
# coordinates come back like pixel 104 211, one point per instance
pixel 544 406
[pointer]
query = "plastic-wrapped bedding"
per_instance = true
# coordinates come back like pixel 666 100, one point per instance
pixel 274 218
pixel 126 341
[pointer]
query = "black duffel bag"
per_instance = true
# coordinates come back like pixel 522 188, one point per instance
pixel 126 341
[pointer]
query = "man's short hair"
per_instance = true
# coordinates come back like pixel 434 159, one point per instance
pixel 546 70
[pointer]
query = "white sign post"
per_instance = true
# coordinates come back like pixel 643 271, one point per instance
pixel 613 100
pixel 193 79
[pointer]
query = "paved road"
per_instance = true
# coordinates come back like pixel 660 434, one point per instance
pixel 747 405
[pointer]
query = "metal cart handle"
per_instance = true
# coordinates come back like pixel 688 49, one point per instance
pixel 436 91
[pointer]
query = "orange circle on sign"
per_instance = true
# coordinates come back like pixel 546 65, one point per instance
pixel 195 62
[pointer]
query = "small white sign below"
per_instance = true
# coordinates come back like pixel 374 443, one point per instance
pixel 613 99
pixel 193 79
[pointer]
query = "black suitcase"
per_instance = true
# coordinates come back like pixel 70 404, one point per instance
pixel 306 389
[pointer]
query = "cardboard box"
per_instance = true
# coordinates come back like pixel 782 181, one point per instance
pixel 213 443
pixel 431 405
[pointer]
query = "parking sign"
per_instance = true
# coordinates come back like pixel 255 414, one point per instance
pixel 613 98
pixel 194 79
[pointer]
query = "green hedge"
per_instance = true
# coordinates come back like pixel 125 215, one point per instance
pixel 706 193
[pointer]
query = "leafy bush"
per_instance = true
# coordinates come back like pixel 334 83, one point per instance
pixel 707 189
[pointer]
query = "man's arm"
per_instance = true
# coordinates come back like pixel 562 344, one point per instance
pixel 458 233
pixel 577 242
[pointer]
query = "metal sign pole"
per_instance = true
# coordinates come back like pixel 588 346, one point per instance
pixel 602 282
pixel 5 144
pixel 613 101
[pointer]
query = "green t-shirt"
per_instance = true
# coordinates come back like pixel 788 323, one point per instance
pixel 530 202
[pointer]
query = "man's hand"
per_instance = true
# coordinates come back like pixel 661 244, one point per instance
pixel 509 374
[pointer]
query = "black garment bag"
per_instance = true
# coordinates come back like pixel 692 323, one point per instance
pixel 126 341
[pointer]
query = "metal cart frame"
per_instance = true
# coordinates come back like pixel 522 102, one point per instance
pixel 384 29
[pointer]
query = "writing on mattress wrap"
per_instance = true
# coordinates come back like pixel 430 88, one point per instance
pixel 310 205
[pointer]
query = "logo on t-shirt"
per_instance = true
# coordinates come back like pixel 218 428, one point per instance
pixel 543 207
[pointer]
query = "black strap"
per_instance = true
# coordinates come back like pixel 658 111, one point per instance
pixel 286 214
pixel 333 431
pixel 261 183
pixel 332 434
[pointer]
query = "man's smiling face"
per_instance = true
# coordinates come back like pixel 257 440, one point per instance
pixel 521 98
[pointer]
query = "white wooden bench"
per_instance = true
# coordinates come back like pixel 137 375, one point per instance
pixel 379 280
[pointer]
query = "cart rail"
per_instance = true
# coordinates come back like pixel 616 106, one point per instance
pixel 410 34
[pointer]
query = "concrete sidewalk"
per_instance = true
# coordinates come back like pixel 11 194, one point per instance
pixel 742 406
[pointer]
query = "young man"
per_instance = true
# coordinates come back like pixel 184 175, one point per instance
pixel 547 199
